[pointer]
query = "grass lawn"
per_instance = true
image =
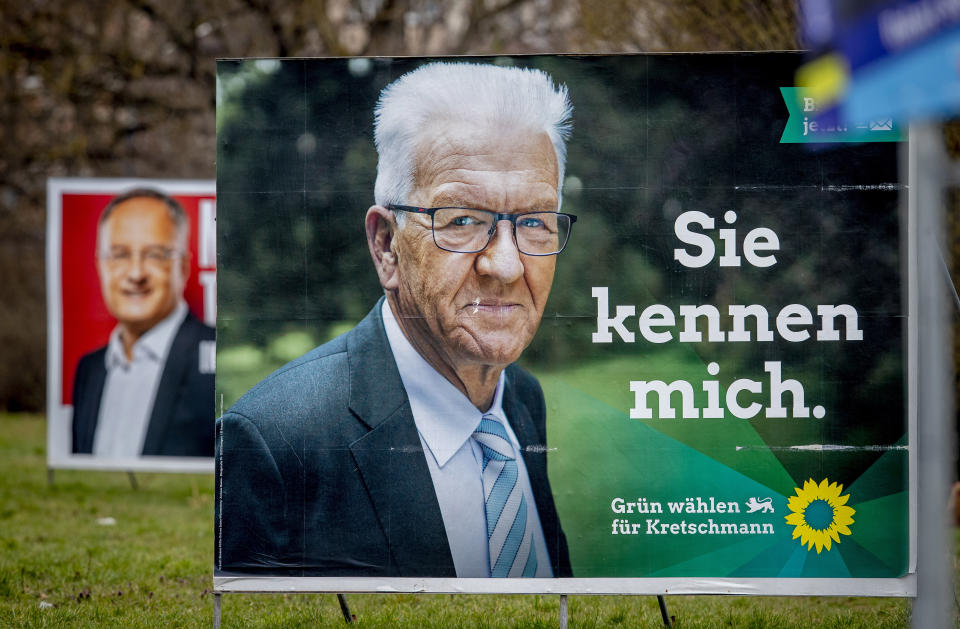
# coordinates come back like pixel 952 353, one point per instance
pixel 153 567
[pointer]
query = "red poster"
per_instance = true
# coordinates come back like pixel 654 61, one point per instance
pixel 80 322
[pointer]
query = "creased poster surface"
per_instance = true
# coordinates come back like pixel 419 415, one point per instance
pixel 716 386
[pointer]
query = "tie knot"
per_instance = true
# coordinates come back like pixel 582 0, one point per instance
pixel 493 439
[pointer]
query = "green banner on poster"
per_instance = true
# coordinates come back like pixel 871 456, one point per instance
pixel 804 126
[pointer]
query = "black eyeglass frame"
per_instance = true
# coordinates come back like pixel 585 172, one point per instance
pixel 497 217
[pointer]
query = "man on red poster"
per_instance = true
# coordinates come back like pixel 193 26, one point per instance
pixel 147 391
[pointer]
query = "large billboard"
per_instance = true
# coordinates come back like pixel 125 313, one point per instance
pixel 131 286
pixel 672 321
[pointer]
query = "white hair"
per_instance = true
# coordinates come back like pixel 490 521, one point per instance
pixel 494 95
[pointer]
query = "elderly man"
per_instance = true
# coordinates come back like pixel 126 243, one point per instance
pixel 146 392
pixel 412 446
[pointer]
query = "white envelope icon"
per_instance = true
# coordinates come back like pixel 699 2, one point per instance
pixel 881 124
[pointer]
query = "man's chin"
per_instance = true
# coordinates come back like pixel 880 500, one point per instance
pixel 134 317
pixel 495 352
pixel 137 320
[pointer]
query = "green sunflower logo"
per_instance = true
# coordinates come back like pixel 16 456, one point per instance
pixel 819 514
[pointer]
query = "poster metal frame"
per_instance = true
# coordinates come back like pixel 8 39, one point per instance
pixel 904 586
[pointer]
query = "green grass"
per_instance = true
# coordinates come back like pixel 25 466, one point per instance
pixel 153 568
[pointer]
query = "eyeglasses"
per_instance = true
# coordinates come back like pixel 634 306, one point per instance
pixel 469 230
pixel 156 258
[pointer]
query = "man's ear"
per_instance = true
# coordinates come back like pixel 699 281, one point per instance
pixel 381 228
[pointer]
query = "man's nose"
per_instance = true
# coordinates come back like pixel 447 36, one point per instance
pixel 501 258
pixel 137 270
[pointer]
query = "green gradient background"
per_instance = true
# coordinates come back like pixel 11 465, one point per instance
pixel 671 459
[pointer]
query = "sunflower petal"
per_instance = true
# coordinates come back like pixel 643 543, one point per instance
pixel 841 516
pixel 794 518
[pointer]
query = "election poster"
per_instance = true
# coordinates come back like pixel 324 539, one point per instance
pixel 131 309
pixel 601 324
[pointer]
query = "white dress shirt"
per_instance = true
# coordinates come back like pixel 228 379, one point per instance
pixel 445 420
pixel 131 386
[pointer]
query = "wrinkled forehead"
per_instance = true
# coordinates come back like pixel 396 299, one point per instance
pixel 469 136
pixel 449 149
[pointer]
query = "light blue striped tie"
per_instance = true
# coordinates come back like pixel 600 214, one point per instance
pixel 509 529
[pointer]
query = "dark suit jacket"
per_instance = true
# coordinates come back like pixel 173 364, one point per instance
pixel 182 420
pixel 321 472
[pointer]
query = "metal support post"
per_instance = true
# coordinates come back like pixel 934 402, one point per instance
pixel 345 609
pixel 133 480
pixel 663 611
pixel 564 614
pixel 216 610
pixel 934 452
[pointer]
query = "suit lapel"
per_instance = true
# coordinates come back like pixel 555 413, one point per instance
pixel 527 436
pixel 177 363
pixel 534 451
pixel 520 419
pixel 390 457
pixel 88 413
pixel 391 461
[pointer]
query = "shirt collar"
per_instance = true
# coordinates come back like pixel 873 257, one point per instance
pixel 444 416
pixel 152 345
